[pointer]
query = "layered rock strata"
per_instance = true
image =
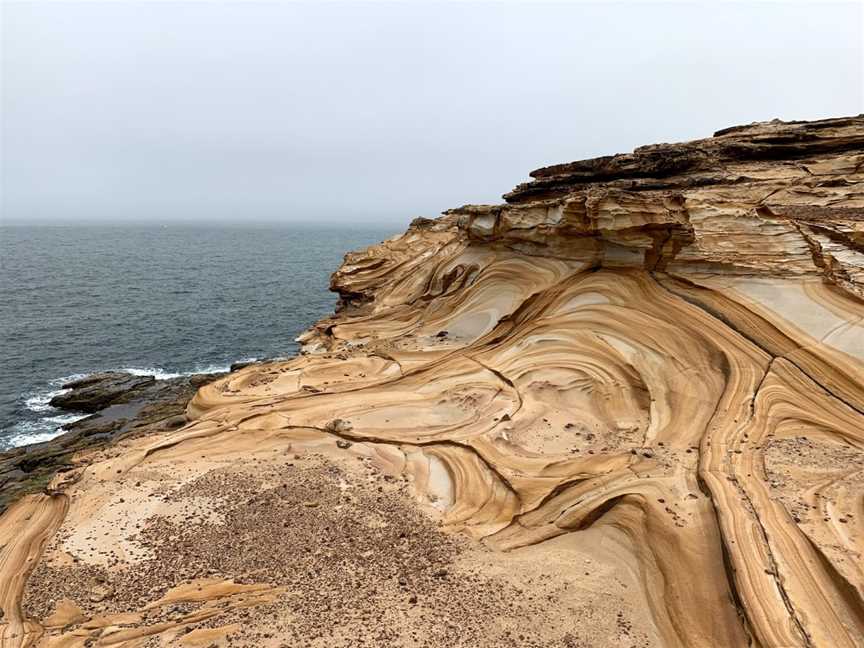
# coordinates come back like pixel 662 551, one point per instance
pixel 636 387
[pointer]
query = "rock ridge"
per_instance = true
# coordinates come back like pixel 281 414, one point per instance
pixel 723 158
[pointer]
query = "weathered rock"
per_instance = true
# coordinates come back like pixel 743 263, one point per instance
pixel 634 342
pixel 658 355
pixel 723 159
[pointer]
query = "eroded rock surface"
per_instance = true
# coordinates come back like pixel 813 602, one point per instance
pixel 634 393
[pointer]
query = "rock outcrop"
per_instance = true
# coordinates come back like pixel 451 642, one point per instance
pixel 100 390
pixel 643 370
pixel 120 405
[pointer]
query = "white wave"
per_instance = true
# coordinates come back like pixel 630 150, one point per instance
pixel 64 419
pixel 161 374
pixel 157 373
pixel 62 380
pixel 50 423
pixel 26 438
pixel 40 402
pixel 45 429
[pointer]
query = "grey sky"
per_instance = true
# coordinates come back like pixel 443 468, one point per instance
pixel 246 111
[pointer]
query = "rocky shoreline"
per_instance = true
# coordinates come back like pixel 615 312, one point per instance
pixel 121 405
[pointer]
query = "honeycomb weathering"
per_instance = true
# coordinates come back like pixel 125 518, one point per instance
pixel 662 350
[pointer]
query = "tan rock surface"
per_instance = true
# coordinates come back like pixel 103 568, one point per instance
pixel 624 408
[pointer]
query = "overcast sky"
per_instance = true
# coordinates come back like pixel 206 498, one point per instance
pixel 380 112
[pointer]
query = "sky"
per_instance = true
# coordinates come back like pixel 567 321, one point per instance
pixel 243 112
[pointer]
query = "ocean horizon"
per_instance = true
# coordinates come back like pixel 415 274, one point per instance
pixel 161 300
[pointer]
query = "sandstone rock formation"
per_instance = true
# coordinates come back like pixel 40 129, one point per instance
pixel 637 387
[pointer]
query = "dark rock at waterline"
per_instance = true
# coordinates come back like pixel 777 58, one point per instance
pixel 124 402
pixel 248 363
pixel 98 391
pixel 240 365
pixel 122 405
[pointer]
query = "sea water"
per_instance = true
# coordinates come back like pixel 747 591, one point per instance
pixel 152 300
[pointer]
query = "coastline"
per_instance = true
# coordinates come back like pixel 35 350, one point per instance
pixel 153 300
pixel 526 424
pixel 54 421
pixel 155 403
pixel 120 405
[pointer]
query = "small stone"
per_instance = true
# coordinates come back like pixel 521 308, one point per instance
pixel 338 425
pixel 100 593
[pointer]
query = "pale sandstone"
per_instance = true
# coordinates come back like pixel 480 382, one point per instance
pixel 632 396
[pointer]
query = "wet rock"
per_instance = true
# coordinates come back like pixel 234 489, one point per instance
pixel 98 391
pixel 120 404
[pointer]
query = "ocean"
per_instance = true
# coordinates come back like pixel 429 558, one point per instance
pixel 161 300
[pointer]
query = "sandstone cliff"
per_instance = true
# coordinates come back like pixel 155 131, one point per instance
pixel 637 386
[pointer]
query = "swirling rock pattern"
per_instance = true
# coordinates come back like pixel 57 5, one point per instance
pixel 660 353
